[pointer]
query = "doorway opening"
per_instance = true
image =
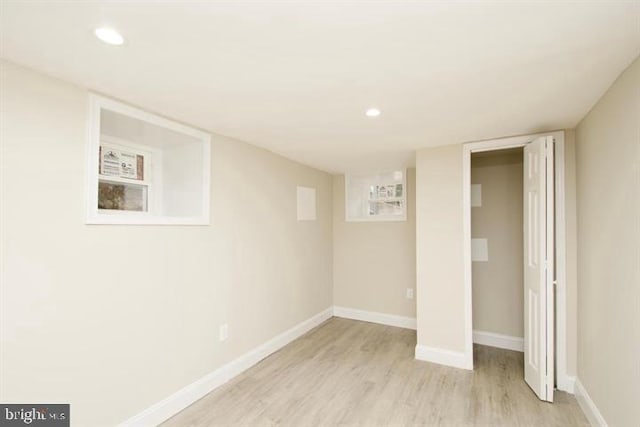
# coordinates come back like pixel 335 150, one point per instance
pixel 522 245
pixel 497 248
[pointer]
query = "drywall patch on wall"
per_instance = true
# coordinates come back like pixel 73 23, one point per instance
pixel 479 250
pixel 306 200
pixel 476 195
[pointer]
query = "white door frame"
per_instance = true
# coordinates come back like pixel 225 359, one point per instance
pixel 563 380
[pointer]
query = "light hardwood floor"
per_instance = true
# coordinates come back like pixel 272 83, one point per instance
pixel 347 372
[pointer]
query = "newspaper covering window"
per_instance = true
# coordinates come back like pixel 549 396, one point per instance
pixel 122 164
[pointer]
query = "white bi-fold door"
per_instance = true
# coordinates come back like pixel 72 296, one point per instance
pixel 539 267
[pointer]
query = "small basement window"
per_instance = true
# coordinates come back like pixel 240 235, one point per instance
pixel 145 169
pixel 376 197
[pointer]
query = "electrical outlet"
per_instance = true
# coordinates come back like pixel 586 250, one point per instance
pixel 224 332
pixel 409 293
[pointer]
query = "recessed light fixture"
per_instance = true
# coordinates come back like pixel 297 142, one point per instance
pixel 109 36
pixel 372 112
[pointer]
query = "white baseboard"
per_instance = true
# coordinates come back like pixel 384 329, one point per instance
pixel 567 383
pixel 441 356
pixel 428 354
pixel 168 407
pixel 588 407
pixel 498 340
pixel 175 403
pixel 249 359
pixel 375 317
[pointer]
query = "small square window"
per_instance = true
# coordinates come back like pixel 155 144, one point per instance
pixel 376 197
pixel 145 169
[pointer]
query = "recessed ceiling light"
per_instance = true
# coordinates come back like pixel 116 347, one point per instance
pixel 372 112
pixel 109 36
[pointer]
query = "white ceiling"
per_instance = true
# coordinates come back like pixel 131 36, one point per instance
pixel 296 77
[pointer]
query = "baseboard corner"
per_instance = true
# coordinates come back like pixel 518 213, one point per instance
pixel 567 383
pixel 445 357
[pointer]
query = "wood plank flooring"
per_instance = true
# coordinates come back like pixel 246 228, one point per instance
pixel 352 373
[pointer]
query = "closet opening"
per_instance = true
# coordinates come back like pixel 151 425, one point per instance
pixel 515 255
pixel 497 250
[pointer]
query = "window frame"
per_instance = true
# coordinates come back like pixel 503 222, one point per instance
pixel 374 178
pixel 94 215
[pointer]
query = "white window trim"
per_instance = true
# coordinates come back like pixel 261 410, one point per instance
pixel 152 177
pixel 378 218
pixel 95 215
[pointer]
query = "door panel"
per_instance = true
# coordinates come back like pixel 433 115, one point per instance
pixel 538 266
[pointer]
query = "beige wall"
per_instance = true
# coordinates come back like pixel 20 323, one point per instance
pixel 498 284
pixel 112 319
pixel 439 257
pixel 608 178
pixel 374 262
